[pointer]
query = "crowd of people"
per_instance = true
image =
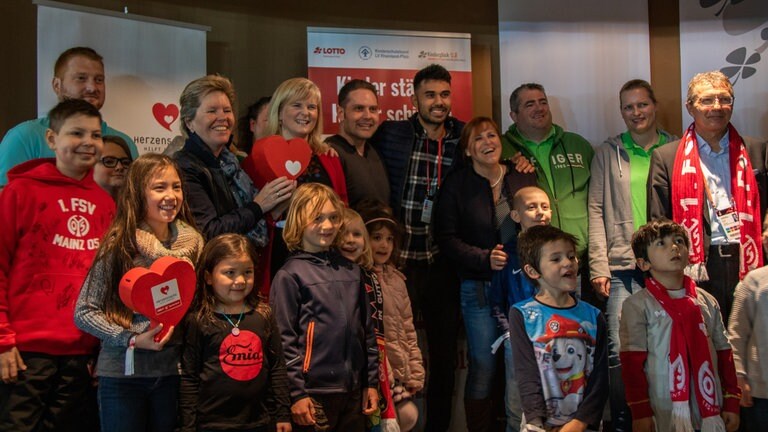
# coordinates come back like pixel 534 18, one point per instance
pixel 629 270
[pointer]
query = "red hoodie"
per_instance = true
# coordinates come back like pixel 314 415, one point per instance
pixel 50 229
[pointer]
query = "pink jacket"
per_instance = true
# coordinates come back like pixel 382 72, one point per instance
pixel 400 335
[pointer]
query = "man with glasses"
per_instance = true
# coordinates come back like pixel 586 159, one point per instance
pixel 77 74
pixel 713 183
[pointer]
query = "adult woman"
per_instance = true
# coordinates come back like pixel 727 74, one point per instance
pixel 110 170
pixel 221 196
pixel 253 125
pixel 617 207
pixel 294 112
pixel 471 223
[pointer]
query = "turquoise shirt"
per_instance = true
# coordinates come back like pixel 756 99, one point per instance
pixel 640 164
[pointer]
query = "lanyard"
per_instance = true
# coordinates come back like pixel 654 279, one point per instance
pixel 439 163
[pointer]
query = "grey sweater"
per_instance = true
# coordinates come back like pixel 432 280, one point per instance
pixel 611 223
pixel 748 331
pixel 185 243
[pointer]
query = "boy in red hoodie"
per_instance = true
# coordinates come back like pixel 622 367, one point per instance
pixel 53 216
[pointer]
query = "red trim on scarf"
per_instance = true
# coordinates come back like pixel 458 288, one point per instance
pixel 689 357
pixel 688 198
pixel 332 165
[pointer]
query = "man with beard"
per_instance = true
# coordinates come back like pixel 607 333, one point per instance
pixel 418 153
pixel 77 74
pixel 358 114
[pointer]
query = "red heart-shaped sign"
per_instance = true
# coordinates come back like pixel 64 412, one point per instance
pixel 162 293
pixel 165 115
pixel 274 156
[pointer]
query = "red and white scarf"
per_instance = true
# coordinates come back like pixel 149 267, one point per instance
pixel 688 201
pixel 689 359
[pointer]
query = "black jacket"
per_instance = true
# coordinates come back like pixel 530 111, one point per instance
pixel 394 142
pixel 208 194
pixel 325 325
pixel 465 227
pixel 660 181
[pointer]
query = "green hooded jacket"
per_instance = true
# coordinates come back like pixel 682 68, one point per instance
pixel 569 162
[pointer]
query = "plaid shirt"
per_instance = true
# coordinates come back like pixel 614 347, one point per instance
pixel 418 244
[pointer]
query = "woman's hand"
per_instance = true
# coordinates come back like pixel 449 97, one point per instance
pixel 746 392
pixel 325 149
pixel 602 285
pixel 283 426
pixel 146 340
pixel 274 193
pixel 498 258
pixel 10 365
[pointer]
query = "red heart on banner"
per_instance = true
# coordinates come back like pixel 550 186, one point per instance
pixel 274 156
pixel 162 293
pixel 165 114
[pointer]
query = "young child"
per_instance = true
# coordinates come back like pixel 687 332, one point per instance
pixel 530 207
pixel 674 327
pixel 232 369
pixel 324 319
pixel 748 333
pixel 152 221
pixel 356 247
pixel 558 342
pixel 403 350
pixel 53 215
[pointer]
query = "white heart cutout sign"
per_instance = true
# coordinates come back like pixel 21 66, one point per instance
pixel 293 167
pixel 169 119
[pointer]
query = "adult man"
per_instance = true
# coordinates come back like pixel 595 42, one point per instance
pixel 562 159
pixel 417 153
pixel 713 183
pixel 358 114
pixel 77 74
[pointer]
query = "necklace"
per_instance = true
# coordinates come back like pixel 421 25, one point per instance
pixel 235 329
pixel 498 180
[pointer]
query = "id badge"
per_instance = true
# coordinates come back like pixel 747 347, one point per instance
pixel 729 219
pixel 426 211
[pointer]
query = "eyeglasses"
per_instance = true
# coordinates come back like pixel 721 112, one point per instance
pixel 111 161
pixel 709 101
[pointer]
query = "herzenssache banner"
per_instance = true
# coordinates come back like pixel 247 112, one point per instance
pixel 147 63
pixel 388 60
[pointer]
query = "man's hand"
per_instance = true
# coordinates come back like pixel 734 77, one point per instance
pixel 644 425
pixel 284 427
pixel 10 365
pixel 303 412
pixel 522 164
pixel 746 391
pixel 602 285
pixel 731 421
pixel 370 401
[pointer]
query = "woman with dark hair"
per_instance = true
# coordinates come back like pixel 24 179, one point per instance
pixel 221 196
pixel 253 125
pixel 472 222
pixel 111 168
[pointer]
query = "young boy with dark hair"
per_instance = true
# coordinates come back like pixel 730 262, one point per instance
pixel 53 215
pixel 678 368
pixel 558 341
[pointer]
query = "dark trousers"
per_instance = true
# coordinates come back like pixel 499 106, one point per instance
pixel 51 395
pixel 755 418
pixel 723 270
pixel 344 412
pixel 434 292
pixel 138 404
